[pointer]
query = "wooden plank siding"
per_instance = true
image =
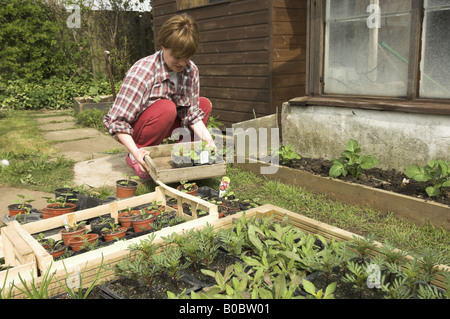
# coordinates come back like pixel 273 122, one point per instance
pixel 289 50
pixel 252 54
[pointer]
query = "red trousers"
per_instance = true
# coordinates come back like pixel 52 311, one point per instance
pixel 158 122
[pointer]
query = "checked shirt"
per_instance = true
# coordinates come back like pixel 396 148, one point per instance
pixel 147 82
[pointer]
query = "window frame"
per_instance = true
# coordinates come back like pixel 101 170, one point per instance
pixel 315 60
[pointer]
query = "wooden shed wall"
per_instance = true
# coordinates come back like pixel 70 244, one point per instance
pixel 251 56
pixel 288 50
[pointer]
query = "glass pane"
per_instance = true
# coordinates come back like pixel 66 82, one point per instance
pixel 367 47
pixel 435 65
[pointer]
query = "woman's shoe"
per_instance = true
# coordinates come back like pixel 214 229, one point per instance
pixel 135 165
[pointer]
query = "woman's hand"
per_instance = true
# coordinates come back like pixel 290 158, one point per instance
pixel 200 129
pixel 138 153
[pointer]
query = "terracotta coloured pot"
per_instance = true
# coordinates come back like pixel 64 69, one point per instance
pixel 222 209
pixel 142 224
pixel 119 233
pixel 55 209
pixel 57 252
pixel 192 192
pixel 78 241
pixel 125 191
pixel 172 202
pixel 15 210
pixel 125 217
pixel 67 235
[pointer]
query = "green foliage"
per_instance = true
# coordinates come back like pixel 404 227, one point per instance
pixel 52 93
pixel 35 42
pixel 35 170
pixel 37 290
pixel 170 261
pixel 43 62
pixel 286 154
pixel 92 118
pixel 78 292
pixel 351 162
pixel 437 172
pixel 319 294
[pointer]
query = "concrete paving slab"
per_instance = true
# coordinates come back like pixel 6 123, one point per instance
pixel 9 194
pixel 57 126
pixel 102 171
pixel 73 134
pixel 88 149
pixel 51 119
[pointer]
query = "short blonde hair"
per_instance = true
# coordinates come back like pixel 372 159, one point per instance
pixel 180 34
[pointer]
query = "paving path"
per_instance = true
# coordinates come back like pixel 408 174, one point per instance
pixel 89 148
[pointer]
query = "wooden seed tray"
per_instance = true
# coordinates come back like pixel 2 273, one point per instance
pixel 161 165
pixel 114 253
pixel 26 255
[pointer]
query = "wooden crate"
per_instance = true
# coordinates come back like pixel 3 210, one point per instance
pixel 80 103
pixel 26 255
pixel 161 165
pixel 89 262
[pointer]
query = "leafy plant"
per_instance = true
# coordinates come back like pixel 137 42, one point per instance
pixel 78 292
pixel 128 179
pixel 76 226
pixel 432 292
pixel 61 200
pixel 6 292
pixel 351 162
pixel 23 201
pixel 325 261
pixel 363 246
pixel 286 153
pixel 357 275
pixel 170 261
pixel 319 294
pixel 437 172
pixel 37 291
pixel 49 243
pixel 186 186
pixel 407 276
pixel 232 241
pixel 429 261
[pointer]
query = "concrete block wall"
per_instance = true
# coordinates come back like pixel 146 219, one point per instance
pixel 396 139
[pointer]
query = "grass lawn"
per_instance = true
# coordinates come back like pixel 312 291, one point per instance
pixel 33 166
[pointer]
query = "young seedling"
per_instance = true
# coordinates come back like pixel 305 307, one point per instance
pixel 286 154
pixel 437 172
pixel 351 162
pixel 170 261
pixel 23 201
pixel 362 246
pixel 319 294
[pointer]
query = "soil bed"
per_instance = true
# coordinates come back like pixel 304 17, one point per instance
pixel 125 288
pixel 220 263
pixel 389 180
pixel 345 290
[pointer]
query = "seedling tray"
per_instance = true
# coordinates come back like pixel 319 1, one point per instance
pixel 28 258
pixel 161 166
pixel 115 253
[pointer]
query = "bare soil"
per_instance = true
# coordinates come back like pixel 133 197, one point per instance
pixel 389 180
